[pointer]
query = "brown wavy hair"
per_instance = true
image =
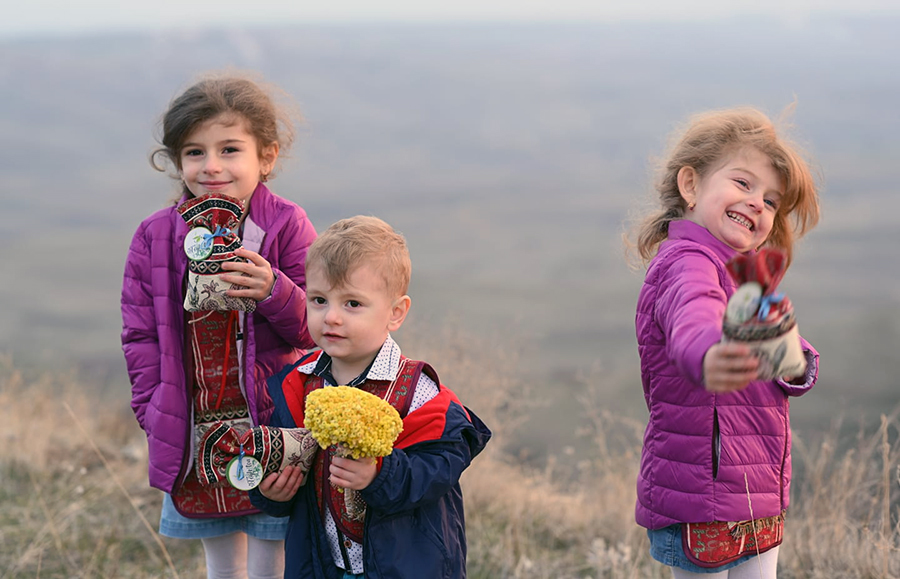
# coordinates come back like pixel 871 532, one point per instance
pixel 708 140
pixel 236 99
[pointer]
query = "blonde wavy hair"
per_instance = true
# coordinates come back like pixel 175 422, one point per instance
pixel 352 242
pixel 708 140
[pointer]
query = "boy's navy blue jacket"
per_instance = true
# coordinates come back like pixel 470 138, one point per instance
pixel 414 526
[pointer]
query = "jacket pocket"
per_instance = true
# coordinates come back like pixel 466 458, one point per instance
pixel 716 445
pixel 404 545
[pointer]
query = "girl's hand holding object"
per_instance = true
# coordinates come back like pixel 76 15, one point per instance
pixel 255 275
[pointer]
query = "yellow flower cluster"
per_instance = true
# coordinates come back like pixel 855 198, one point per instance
pixel 363 423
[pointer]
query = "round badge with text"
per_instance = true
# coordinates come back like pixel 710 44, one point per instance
pixel 244 473
pixel 198 244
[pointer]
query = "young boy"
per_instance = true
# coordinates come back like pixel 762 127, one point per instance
pixel 357 274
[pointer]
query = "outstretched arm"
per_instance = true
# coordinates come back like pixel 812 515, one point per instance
pixel 689 310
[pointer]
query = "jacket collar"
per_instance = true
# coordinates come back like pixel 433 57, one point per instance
pixel 683 229
pixel 263 209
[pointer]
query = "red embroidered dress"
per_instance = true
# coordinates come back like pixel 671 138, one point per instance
pixel 217 396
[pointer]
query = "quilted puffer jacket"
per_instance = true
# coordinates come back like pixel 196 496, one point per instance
pixel 700 445
pixel 153 320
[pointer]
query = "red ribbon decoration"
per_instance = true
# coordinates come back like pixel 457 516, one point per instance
pixel 766 267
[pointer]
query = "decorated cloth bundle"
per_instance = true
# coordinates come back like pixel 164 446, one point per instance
pixel 245 459
pixel 360 424
pixel 212 239
pixel 712 545
pixel 761 318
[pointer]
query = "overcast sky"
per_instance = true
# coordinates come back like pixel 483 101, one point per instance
pixel 24 18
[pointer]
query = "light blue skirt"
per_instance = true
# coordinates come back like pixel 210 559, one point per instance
pixel 261 526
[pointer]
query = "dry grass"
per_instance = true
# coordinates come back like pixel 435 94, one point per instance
pixel 71 505
pixel 73 487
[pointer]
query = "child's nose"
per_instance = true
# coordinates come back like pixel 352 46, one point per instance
pixel 212 164
pixel 756 202
pixel 332 317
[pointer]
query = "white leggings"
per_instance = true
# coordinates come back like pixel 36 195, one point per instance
pixel 237 556
pixel 749 569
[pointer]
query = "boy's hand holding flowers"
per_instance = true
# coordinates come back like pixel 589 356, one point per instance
pixel 353 473
pixel 362 426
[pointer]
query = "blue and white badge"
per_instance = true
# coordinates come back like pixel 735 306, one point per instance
pixel 198 244
pixel 244 472
pixel 744 303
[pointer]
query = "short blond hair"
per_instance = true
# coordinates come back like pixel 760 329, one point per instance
pixel 705 145
pixel 362 240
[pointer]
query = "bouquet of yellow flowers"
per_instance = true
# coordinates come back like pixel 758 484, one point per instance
pixel 364 424
pixel 360 424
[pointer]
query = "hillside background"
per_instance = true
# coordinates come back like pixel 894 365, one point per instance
pixel 509 155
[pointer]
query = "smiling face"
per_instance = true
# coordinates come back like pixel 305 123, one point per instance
pixel 351 322
pixel 737 202
pixel 221 155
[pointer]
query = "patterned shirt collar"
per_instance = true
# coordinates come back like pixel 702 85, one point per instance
pixel 384 367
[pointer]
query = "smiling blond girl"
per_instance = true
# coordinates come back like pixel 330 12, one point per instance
pixel 718 439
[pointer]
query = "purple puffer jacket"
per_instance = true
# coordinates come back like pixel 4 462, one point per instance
pixel 684 476
pixel 153 320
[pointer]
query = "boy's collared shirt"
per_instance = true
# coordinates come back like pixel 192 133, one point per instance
pixel 385 366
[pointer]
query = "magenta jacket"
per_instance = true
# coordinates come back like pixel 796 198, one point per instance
pixel 153 323
pixel 685 476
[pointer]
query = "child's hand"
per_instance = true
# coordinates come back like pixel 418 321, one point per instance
pixel 352 473
pixel 729 367
pixel 258 281
pixel 282 486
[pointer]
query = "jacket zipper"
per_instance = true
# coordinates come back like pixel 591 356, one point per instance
pixel 187 356
pixel 784 454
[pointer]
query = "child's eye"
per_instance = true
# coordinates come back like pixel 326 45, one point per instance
pixel 772 203
pixel 353 304
pixel 743 183
pixel 319 301
pixel 230 150
pixel 192 153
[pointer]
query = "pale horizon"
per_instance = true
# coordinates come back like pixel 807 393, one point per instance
pixel 53 18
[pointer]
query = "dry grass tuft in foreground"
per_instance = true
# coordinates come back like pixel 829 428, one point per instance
pixel 73 492
pixel 73 487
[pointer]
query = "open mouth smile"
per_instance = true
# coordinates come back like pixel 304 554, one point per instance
pixel 740 219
